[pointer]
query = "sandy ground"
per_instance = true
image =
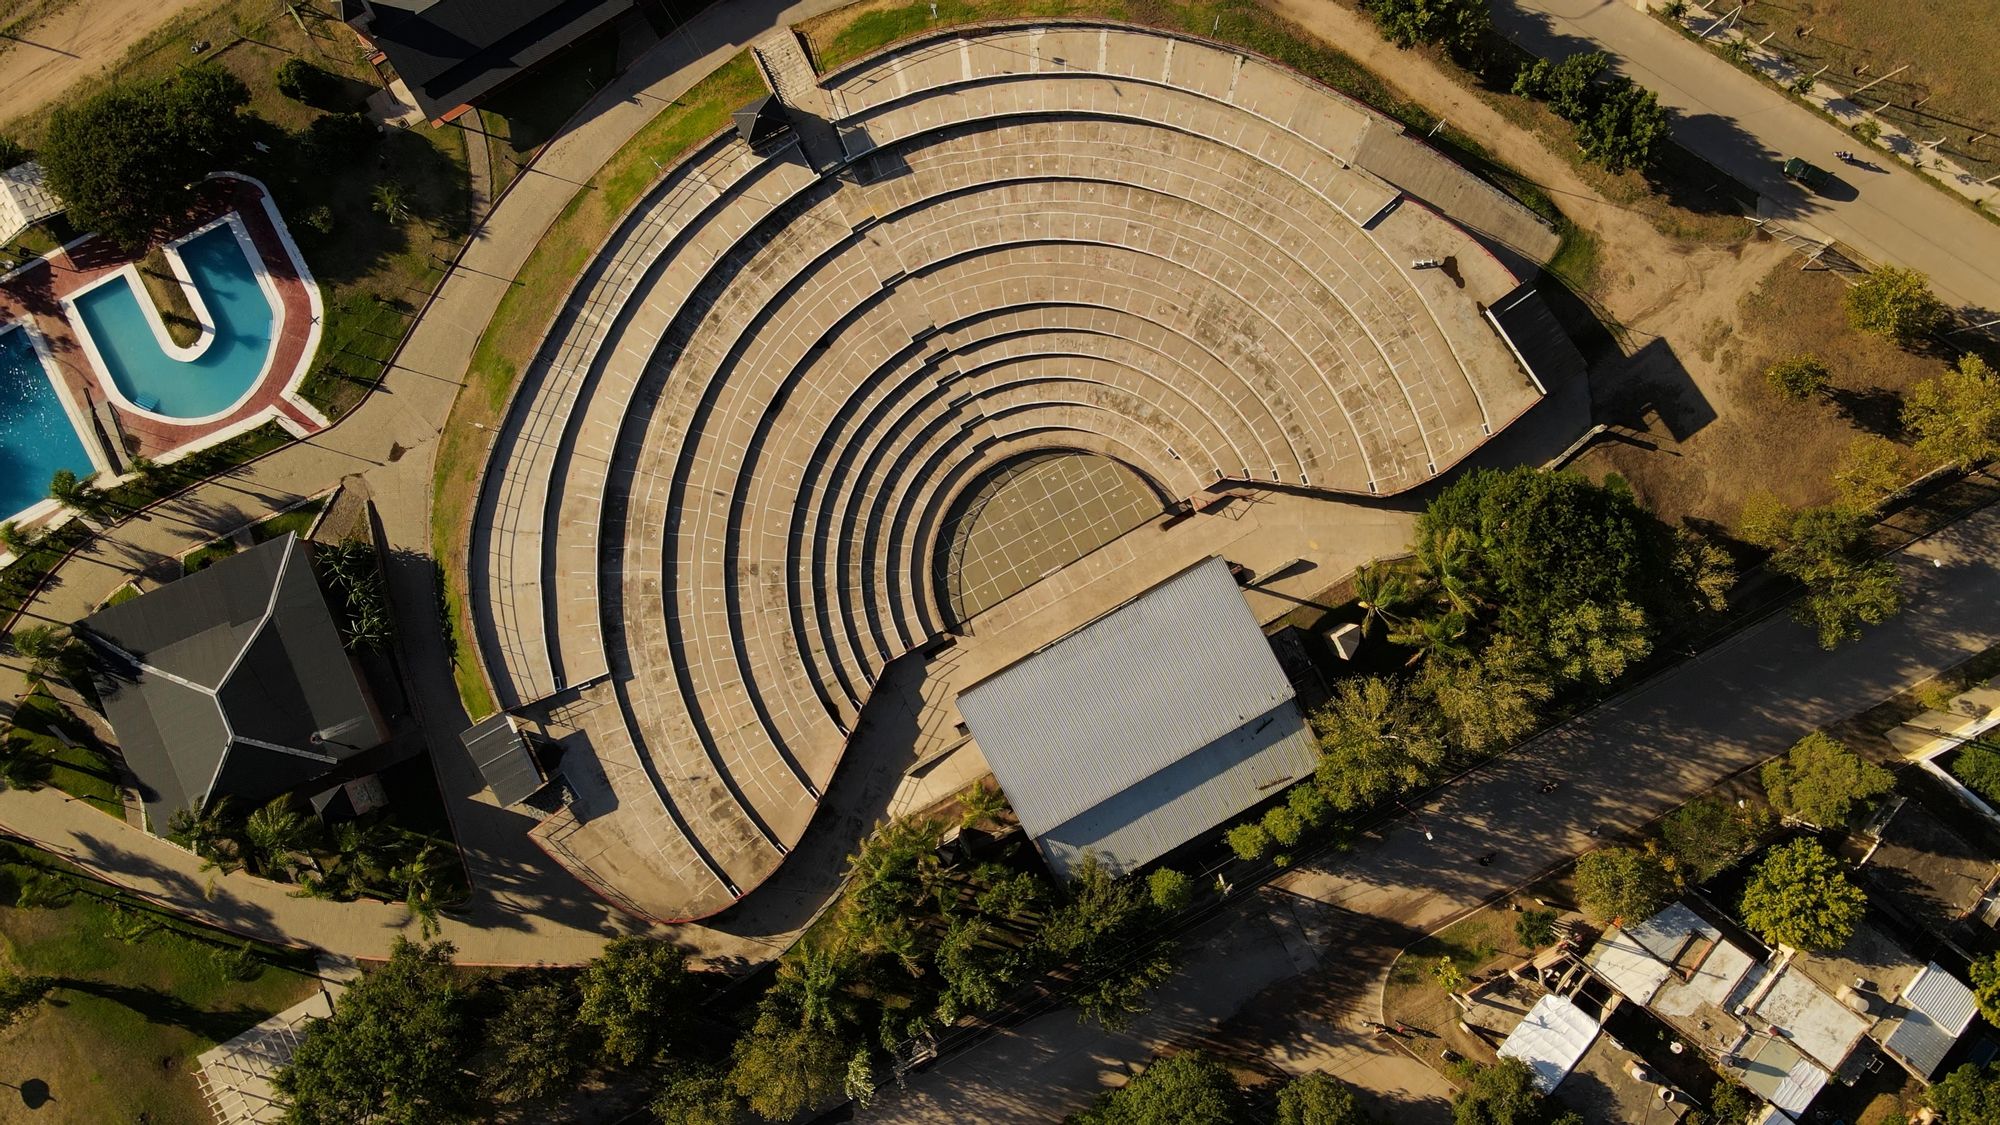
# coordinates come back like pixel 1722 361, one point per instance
pixel 75 42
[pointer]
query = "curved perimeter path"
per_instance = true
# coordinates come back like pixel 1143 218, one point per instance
pixel 526 909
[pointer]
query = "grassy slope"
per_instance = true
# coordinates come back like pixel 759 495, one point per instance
pixel 79 770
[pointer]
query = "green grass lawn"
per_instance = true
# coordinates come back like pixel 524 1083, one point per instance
pixel 296 521
pixel 118 1038
pixel 79 767
pixel 206 555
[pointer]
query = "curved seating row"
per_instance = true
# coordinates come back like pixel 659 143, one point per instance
pixel 723 484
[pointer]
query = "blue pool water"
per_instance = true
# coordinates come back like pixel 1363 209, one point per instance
pixel 156 381
pixel 36 437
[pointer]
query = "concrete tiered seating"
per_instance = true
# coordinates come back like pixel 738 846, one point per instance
pixel 724 481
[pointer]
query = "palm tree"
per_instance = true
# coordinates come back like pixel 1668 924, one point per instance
pixel 419 876
pixel 391 201
pixel 46 649
pixel 979 805
pixel 16 539
pixel 817 977
pixel 276 833
pixel 1439 639
pixel 1446 563
pixel 205 832
pixel 76 494
pixel 1384 591
pixel 21 767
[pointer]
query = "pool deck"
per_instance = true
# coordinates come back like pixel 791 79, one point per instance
pixel 35 293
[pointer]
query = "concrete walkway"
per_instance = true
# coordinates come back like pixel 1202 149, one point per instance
pixel 1292 976
pixel 526 908
pixel 1888 214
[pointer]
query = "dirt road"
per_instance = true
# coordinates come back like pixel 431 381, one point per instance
pixel 74 42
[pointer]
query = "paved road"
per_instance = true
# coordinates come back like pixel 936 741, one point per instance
pixel 1341 924
pixel 1747 129
pixel 526 908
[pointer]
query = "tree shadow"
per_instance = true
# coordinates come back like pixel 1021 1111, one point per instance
pixel 160 1007
pixel 1874 410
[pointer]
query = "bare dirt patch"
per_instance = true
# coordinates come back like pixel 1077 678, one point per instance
pixel 1705 432
pixel 55 45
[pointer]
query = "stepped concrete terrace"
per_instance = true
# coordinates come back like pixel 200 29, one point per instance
pixel 717 512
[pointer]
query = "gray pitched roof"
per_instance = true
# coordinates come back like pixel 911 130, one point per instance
pixel 1145 727
pixel 230 681
pixel 449 52
pixel 504 759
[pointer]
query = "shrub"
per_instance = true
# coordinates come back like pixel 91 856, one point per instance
pixel 12 152
pixel 1798 377
pixel 1868 129
pixel 1896 303
pixel 1459 26
pixel 301 81
pixel 1979 769
pixel 1536 928
pixel 1622 883
pixel 341 137
pixel 1170 890
pixel 1249 840
pixel 1284 825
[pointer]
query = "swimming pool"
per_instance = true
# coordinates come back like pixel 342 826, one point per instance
pixel 124 341
pixel 36 436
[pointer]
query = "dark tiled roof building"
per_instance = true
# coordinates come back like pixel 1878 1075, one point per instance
pixel 230 682
pixel 451 52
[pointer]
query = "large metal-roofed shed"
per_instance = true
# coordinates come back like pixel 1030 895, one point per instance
pixel 230 682
pixel 1144 728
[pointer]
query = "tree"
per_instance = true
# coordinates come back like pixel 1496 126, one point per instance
pixel 1896 303
pixel 12 152
pixel 47 650
pixel 301 81
pixel 697 1095
pixel 1170 890
pixel 1798 897
pixel 1437 638
pixel 1728 1104
pixel 1703 568
pixel 1871 467
pixel 1536 928
pixel 1318 1098
pixel 782 1068
pixel 893 881
pixel 1284 825
pixel 1108 932
pixel 122 160
pixel 977 966
pixel 1374 742
pixel 1626 128
pixel 276 833
pixel 1595 644
pixel 1986 987
pixel 1825 548
pixel 1707 835
pixel 1190 1088
pixel 1956 416
pixel 393 1050
pixel 76 494
pixel 1798 377
pixel 1489 702
pixel 21 994
pixel 1569 86
pixel 1820 781
pixel 391 200
pixel 1459 26
pixel 1979 769
pixel 1622 884
pixel 537 1042
pixel 635 995
pixel 16 538
pixel 1969 1095
pixel 1503 1094
pixel 1249 840
pixel 979 805
pixel 341 136
pixel 1385 591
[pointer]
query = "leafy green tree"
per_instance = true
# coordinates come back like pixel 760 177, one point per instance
pixel 1190 1088
pixel 1969 1095
pixel 782 1069
pixel 1626 129
pixel 694 1094
pixel 1622 883
pixel 21 994
pixel 1799 897
pixel 1896 303
pixel 1489 702
pixel 1986 987
pixel 895 882
pixel 1798 377
pixel 1825 548
pixel 1728 1104
pixel 538 1045
pixel 1284 825
pixel 1979 769
pixel 1703 569
pixel 979 805
pixel 1447 974
pixel 1309 805
pixel 1820 781
pixel 341 136
pixel 1459 26
pixel 1503 1094
pixel 1956 416
pixel 1595 644
pixel 1569 86
pixel 1536 928
pixel 122 160
pixel 1108 932
pixel 1871 467
pixel 393 1050
pixel 1375 741
pixel 1318 1098
pixel 978 968
pixel 635 996
pixel 1708 835
pixel 1170 890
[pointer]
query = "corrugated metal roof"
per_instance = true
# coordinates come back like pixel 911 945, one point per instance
pixel 1126 696
pixel 1940 1008
pixel 1550 1039
pixel 504 759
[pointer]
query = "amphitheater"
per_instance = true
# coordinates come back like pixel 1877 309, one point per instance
pixel 1008 323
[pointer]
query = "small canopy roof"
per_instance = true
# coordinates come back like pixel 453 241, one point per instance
pixel 504 758
pixel 762 121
